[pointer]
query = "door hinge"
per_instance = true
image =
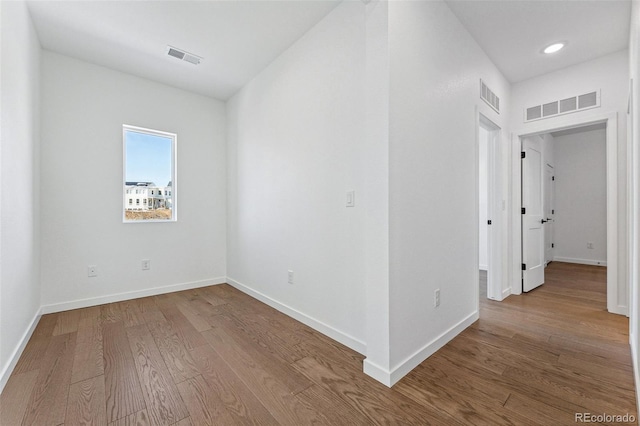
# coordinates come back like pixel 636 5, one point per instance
pixel 552 245
pixel 553 212
pixel 524 266
pixel 553 178
pixel 523 210
pixel 522 155
pixel 489 222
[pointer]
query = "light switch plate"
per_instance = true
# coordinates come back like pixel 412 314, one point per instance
pixel 351 198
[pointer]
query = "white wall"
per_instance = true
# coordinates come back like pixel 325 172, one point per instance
pixel 296 145
pixel 609 74
pixel 634 150
pixel 581 197
pixel 19 177
pixel 84 107
pixel 376 189
pixel 436 68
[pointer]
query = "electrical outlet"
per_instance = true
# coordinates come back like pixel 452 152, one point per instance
pixel 146 264
pixel 436 299
pixel 589 245
pixel 290 276
pixel 92 271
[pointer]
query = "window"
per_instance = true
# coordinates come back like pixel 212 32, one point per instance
pixel 149 167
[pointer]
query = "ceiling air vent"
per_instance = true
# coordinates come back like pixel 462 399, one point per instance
pixel 568 105
pixel 587 100
pixel 489 97
pixel 550 109
pixel 534 113
pixel 563 106
pixel 185 56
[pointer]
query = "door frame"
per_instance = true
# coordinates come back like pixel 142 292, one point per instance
pixel 534 274
pixel 495 264
pixel 550 191
pixel 615 288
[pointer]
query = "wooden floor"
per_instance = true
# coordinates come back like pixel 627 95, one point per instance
pixel 216 356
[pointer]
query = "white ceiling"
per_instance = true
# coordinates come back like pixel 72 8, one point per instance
pixel 236 38
pixel 239 38
pixel 513 32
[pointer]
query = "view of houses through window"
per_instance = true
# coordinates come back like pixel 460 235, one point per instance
pixel 149 175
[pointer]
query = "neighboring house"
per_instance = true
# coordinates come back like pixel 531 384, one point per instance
pixel 146 196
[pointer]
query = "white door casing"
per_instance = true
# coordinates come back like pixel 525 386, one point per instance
pixel 549 211
pixel 533 218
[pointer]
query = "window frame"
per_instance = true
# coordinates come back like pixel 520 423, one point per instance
pixel 174 172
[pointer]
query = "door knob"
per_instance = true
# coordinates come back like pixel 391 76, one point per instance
pixel 543 221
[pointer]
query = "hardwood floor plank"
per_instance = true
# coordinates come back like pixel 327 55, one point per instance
pixel 217 294
pixel 86 403
pixel 538 412
pixel 189 336
pixel 139 418
pixel 185 422
pixel 163 401
pixel 37 345
pixel 266 331
pixel 145 305
pixel 204 405
pixel 16 395
pixel 277 397
pixel 460 379
pixel 465 410
pixel 279 368
pixel 588 395
pixel 198 322
pixel 88 361
pixel 612 373
pixel 175 355
pixel 131 313
pixel 110 313
pixel 67 322
pixel 48 400
pixel 237 398
pixel 123 392
pixel 337 411
pixel 367 404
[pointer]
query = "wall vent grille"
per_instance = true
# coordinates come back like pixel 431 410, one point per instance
pixel 563 106
pixel 185 56
pixel 489 97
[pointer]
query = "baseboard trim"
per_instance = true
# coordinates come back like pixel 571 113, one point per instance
pixel 15 356
pixel 119 297
pixel 347 340
pixel 506 293
pixel 377 372
pixel 390 378
pixel 580 261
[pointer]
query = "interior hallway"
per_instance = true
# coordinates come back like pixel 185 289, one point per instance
pixel 216 356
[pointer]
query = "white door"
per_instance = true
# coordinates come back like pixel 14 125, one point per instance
pixel 549 210
pixel 532 219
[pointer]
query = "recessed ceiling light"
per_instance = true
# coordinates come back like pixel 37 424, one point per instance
pixel 553 48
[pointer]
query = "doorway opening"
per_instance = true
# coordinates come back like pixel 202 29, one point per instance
pixel 489 211
pixel 568 194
